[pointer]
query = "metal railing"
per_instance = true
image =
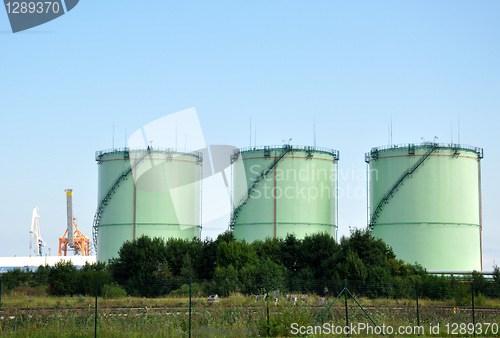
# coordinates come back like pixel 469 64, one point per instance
pixel 324 150
pixel 413 146
pixel 100 153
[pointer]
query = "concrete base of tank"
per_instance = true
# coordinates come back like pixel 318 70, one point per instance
pixel 423 243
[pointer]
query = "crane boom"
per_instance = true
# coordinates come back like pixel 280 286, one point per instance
pixel 75 240
pixel 35 231
pixel 69 209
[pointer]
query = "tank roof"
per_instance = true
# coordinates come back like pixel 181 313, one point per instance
pixel 424 145
pixel 323 150
pixel 100 153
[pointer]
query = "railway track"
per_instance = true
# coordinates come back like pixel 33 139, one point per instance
pixel 197 307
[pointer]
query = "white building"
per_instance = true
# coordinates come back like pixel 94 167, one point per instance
pixel 32 263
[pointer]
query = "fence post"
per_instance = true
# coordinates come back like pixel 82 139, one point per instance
pixel 267 300
pixel 190 284
pixel 473 314
pixel 96 293
pixel 346 309
pixel 418 313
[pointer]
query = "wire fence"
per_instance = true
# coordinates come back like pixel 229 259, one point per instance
pixel 187 307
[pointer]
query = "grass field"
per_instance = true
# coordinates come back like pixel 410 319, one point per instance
pixel 29 312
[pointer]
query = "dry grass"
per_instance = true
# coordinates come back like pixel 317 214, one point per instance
pixel 237 315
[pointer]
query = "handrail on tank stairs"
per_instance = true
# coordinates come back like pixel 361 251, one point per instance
pixel 109 193
pixel 286 149
pixel 399 181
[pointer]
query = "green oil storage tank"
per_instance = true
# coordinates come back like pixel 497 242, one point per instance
pixel 280 190
pixel 425 202
pixel 151 192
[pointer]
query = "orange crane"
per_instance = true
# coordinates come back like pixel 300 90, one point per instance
pixel 81 244
pixel 75 240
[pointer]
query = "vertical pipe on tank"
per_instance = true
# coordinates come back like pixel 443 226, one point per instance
pixel 367 194
pixel 336 198
pixel 480 214
pixel 201 195
pixel 134 207
pixel 274 199
pixel 231 195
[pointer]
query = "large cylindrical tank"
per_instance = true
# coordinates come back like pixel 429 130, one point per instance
pixel 280 190
pixel 425 202
pixel 151 192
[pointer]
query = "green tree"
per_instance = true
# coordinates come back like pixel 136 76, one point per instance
pixel 87 276
pixel 272 273
pixel 208 261
pixel 187 270
pixel 142 267
pixel 175 250
pixel 270 248
pixel 496 274
pixel 63 279
pixel 354 268
pixel 437 287
pixel 237 254
pixel 290 253
pixel 315 252
pixel 14 278
pixel 206 268
pixel 480 284
pixel 41 275
pixel 496 279
pixel 226 280
pixel 372 251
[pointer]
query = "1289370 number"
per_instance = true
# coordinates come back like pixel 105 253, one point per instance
pixel 478 328
pixel 31 7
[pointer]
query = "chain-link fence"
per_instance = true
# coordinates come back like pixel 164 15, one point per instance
pixel 271 307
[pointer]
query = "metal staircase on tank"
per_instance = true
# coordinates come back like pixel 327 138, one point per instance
pixel 234 214
pixel 109 193
pixel 399 181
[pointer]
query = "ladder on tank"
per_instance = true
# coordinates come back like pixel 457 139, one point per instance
pixel 286 149
pixel 399 181
pixel 109 193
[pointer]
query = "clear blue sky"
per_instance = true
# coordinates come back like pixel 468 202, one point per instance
pixel 348 65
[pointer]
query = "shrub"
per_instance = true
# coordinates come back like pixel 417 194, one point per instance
pixel 14 278
pixel 479 299
pixel 438 287
pixel 62 279
pixel 113 290
pixel 197 290
pixel 142 267
pixel 30 292
pixel 461 293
